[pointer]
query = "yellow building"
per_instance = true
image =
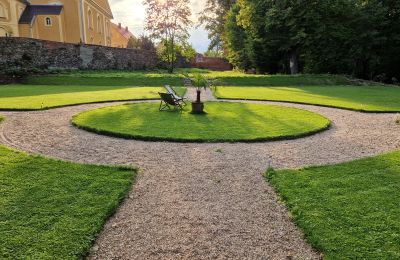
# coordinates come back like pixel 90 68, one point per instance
pixel 10 11
pixel 120 36
pixel 72 21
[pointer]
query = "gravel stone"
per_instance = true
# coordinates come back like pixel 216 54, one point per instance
pixel 199 200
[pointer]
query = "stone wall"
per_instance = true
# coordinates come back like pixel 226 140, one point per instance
pixel 37 55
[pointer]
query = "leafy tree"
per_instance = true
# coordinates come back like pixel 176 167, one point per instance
pixel 356 37
pixel 132 43
pixel 183 50
pixel 168 21
pixel 213 19
pixel 214 53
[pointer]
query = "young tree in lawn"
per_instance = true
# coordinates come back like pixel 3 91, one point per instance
pixel 168 21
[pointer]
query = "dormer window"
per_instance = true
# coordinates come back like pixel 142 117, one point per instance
pixel 47 21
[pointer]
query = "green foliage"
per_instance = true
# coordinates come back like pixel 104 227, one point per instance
pixel 218 124
pixel 355 37
pixel 183 50
pixel 52 209
pixel 168 21
pixel 347 211
pixel 132 43
pixel 214 53
pixel 212 18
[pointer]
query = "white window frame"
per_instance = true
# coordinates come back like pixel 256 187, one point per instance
pixel 48 21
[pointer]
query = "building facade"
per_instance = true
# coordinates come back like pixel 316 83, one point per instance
pixel 120 36
pixel 71 21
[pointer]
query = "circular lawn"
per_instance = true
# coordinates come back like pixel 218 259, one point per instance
pixel 222 122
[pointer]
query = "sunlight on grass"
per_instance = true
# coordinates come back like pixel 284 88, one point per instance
pixel 224 121
pixel 52 209
pixel 347 211
pixel 363 98
pixel 28 97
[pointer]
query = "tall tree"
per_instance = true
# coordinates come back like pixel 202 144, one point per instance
pixel 168 21
pixel 355 37
pixel 213 19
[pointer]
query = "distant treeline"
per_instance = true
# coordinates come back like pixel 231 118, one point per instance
pixel 355 37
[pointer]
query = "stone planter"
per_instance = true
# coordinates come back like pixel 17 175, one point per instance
pixel 197 107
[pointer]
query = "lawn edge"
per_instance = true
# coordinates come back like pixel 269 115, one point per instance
pixel 76 104
pixel 268 177
pixel 108 214
pixel 184 140
pixel 271 172
pixel 311 104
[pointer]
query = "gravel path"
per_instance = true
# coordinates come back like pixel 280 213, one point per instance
pixel 195 201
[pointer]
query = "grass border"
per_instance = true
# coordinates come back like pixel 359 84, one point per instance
pixel 295 217
pixel 112 210
pixel 84 103
pixel 311 104
pixel 184 140
pixel 76 104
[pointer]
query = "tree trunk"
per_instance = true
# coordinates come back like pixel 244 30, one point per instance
pixel 172 52
pixel 294 63
pixel 198 96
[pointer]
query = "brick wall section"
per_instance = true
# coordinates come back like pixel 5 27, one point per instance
pixel 211 63
pixel 29 54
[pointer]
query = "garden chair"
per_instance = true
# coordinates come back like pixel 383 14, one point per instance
pixel 173 93
pixel 168 101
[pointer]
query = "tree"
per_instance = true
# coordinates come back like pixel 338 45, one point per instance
pixel 182 53
pixel 168 21
pixel 355 37
pixel 213 19
pixel 132 43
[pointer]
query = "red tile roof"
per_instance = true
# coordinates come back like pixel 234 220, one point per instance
pixel 122 30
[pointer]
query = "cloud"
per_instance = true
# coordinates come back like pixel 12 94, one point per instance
pixel 131 13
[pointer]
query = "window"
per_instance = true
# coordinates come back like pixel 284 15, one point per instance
pixel 47 21
pixel 2 11
pixel 98 24
pixel 90 19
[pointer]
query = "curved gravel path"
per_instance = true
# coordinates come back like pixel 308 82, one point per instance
pixel 201 200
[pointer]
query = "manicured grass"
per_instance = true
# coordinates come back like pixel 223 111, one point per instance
pixel 33 97
pixel 347 211
pixel 109 78
pixel 224 121
pixel 361 98
pixel 52 209
pixel 160 78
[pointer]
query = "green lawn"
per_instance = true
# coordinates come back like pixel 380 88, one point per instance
pixel 361 98
pixel 109 78
pixel 160 78
pixel 32 97
pixel 224 121
pixel 347 211
pixel 52 209
pixel 39 92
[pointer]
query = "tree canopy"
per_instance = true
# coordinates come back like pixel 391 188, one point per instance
pixel 355 37
pixel 168 21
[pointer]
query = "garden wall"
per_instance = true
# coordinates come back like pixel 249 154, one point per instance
pixel 202 62
pixel 37 55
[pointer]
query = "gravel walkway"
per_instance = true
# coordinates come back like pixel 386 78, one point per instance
pixel 195 201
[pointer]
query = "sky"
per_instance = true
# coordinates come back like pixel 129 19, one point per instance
pixel 131 13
